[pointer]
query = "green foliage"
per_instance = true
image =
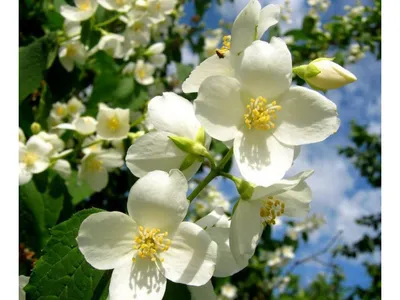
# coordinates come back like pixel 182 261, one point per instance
pixel 62 272
pixel 78 190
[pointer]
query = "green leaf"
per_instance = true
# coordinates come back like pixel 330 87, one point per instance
pixel 34 59
pixel 308 25
pixel 78 190
pixel 62 272
pixel 183 71
pixel 53 200
pixel 176 291
pixel 33 201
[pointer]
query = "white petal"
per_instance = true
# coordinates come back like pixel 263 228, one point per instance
pixel 106 239
pixel 155 151
pixel 191 257
pixel 246 230
pixel 63 168
pixel 261 158
pixel 75 14
pixel 24 175
pixel 219 107
pixel 156 48
pixel 281 186
pixel 158 200
pixel 158 60
pixel 269 16
pixel 85 125
pixel 244 27
pixel 111 159
pixel 138 281
pixel 226 263
pixel 40 165
pixel 202 292
pixel 306 117
pixel 96 180
pixel 266 68
pixel 173 113
pixel 212 218
pixel 212 66
pixel 23 281
pixel 105 115
pixel 67 62
pixel 37 145
pixel 297 200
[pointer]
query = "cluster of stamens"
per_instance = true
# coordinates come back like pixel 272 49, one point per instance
pixel 95 165
pixel 71 51
pixel 260 114
pixel 149 242
pixel 85 5
pixel 226 46
pixel 113 123
pixel 30 158
pixel 270 209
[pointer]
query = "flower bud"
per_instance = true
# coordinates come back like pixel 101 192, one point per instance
pixel 35 128
pixel 189 146
pixel 244 188
pixel 323 74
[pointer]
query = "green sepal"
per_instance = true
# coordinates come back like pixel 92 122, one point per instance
pixel 189 160
pixel 300 71
pixel 201 136
pixel 189 146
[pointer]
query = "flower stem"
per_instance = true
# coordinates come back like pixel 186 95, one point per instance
pixel 215 171
pixel 109 21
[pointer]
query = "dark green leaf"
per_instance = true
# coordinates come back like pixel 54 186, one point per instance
pixel 78 190
pixel 176 291
pixel 62 272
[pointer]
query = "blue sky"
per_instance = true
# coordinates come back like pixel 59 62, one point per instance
pixel 340 194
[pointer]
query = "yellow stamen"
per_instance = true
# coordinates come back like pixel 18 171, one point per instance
pixel 113 123
pixel 260 114
pixel 30 158
pixel 95 165
pixel 150 242
pixel 141 74
pixel 226 46
pixel 85 5
pixel 270 209
pixel 71 50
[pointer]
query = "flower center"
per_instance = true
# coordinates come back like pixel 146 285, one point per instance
pixel 138 26
pixel 120 2
pixel 141 73
pixel 71 51
pixel 270 209
pixel 95 165
pixel 226 46
pixel 30 158
pixel 150 242
pixel 260 114
pixel 86 5
pixel 113 123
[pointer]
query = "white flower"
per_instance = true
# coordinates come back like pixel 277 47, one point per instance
pixel 95 143
pixel 251 23
pixel 144 72
pixel 75 107
pixel 156 56
pixel 171 115
pixel 82 125
pixel 63 168
pixel 262 114
pixel 23 281
pixel 83 10
pixel 33 158
pixel 157 9
pixel 152 244
pixel 113 44
pixel 290 197
pixel 118 5
pixel 72 28
pixel 21 136
pixel 72 52
pixel 138 31
pixel 95 166
pixel 59 111
pixel 323 74
pixel 52 138
pixel 112 123
pixel 217 225
pixel 229 291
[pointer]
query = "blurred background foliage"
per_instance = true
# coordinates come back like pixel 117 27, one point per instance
pixel 48 200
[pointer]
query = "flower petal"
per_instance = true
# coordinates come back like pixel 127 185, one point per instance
pixel 269 16
pixel 24 175
pixel 202 292
pixel 219 108
pixel 212 66
pixel 158 200
pixel 155 151
pixel 246 229
pixel 138 281
pixel 281 186
pixel 63 168
pixel 106 239
pixel 261 158
pixel 111 159
pixel 212 218
pixel 245 27
pixel 37 145
pixel 173 113
pixel 297 200
pixel 266 68
pixel 306 117
pixel 191 257
pixel 226 263
pixel 75 14
pixel 97 180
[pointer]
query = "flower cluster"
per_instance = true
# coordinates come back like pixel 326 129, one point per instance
pixel 245 100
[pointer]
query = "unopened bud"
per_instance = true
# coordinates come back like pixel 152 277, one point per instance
pixel 35 128
pixel 189 146
pixel 244 188
pixel 324 74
